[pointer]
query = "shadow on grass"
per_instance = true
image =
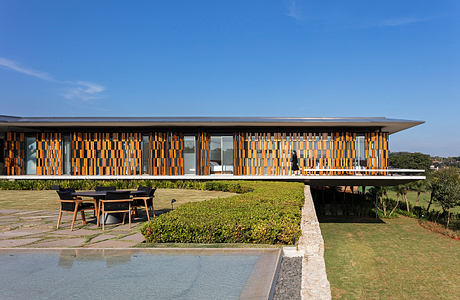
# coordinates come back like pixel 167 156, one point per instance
pixel 349 219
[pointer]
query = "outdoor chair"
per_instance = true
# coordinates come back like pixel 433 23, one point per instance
pixel 55 187
pixel 105 188
pixel 116 202
pixel 145 201
pixel 71 204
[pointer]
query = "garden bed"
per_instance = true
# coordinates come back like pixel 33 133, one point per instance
pixel 269 213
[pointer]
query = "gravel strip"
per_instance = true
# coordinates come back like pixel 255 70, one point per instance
pixel 289 280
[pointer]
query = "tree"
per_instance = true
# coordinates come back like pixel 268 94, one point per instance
pixel 401 190
pixel 446 190
pixel 407 160
pixel 380 193
pixel 418 186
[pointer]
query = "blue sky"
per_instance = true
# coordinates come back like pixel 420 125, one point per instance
pixel 399 59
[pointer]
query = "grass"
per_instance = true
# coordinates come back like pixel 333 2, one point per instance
pixel 48 200
pixel 423 200
pixel 397 259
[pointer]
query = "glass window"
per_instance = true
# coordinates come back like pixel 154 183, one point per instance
pixel 2 157
pixel 216 156
pixel 145 154
pixel 221 155
pixel 31 156
pixel 189 155
pixel 360 153
pixel 67 155
pixel 227 154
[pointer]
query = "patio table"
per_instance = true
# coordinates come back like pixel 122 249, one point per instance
pixel 96 195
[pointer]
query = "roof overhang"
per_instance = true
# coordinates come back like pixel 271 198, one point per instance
pixel 385 124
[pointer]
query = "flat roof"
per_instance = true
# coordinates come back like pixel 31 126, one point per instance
pixel 387 125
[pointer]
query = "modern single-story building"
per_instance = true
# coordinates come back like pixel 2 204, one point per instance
pixel 349 150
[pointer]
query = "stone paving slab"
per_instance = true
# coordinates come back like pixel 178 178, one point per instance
pixel 113 244
pixel 59 243
pixel 37 217
pixel 102 237
pixel 75 232
pixel 20 232
pixel 32 212
pixel 8 217
pixel 17 242
pixel 9 211
pixel 8 223
pixel 37 229
pixel 137 237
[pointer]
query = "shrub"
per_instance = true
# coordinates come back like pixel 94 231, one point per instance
pixel 268 213
pixel 41 184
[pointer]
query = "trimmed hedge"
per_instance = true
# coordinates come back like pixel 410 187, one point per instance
pixel 269 214
pixel 40 184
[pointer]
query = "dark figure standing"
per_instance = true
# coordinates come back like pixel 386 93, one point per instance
pixel 294 163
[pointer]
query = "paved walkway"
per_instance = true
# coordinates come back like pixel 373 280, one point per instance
pixel 314 278
pixel 37 229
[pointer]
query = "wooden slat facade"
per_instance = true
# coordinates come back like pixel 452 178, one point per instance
pixel 15 153
pixel 203 153
pixel 269 153
pixel 254 152
pixel 166 153
pixel 49 153
pixel 99 153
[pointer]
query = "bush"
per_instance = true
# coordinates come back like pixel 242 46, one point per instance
pixel 268 213
pixel 41 184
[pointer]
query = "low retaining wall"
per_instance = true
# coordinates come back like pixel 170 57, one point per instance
pixel 314 278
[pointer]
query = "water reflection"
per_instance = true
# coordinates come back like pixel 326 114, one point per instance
pixel 112 258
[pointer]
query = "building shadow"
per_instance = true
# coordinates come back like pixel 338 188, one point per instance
pixel 349 219
pixel 342 205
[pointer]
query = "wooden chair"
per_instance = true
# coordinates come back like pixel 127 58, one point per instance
pixel 116 202
pixel 145 201
pixel 71 204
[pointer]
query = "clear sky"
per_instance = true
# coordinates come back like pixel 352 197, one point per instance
pixel 393 58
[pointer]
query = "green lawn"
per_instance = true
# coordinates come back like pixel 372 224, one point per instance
pixel 397 259
pixel 423 200
pixel 48 200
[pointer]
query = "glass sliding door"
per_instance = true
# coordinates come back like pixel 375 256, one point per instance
pixel 227 154
pixel 66 162
pixel 189 155
pixel 31 156
pixel 221 155
pixel 216 157
pixel 360 151
pixel 145 154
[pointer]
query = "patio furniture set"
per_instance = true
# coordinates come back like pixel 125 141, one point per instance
pixel 105 201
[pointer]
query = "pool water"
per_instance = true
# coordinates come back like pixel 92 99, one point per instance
pixel 118 274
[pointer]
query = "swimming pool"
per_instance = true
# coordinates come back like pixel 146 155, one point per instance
pixel 138 273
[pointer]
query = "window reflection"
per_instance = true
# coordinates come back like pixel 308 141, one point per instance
pixel 221 155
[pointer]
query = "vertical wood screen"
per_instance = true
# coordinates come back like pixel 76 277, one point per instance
pixel 166 153
pixel 254 153
pixel 49 154
pixel 100 153
pixel 204 154
pixel 269 153
pixel 377 150
pixel 15 152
